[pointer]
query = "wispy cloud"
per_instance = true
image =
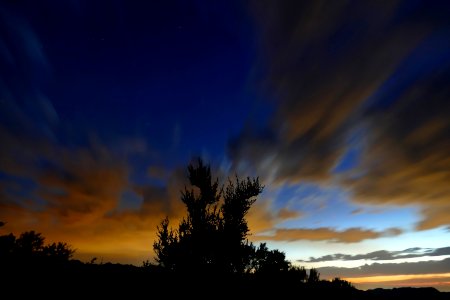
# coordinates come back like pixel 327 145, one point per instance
pixel 351 235
pixel 76 198
pixel 371 72
pixel 407 268
pixel 384 255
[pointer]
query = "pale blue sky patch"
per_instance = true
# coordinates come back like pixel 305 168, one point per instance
pixel 331 206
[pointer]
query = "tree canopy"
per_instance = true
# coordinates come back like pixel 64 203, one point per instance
pixel 30 247
pixel 213 235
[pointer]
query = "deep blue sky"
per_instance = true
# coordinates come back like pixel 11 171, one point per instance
pixel 175 73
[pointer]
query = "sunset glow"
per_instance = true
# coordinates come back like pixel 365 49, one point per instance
pixel 393 278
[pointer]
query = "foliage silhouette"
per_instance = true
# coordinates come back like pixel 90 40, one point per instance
pixel 29 248
pixel 267 261
pixel 211 240
pixel 213 235
pixel 298 274
pixel 342 284
pixel 30 244
pixel 314 276
pixel 165 245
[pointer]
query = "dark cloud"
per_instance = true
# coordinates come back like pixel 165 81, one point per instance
pixel 384 255
pixel 423 267
pixel 323 60
pixel 376 72
pixel 351 235
pixel 406 159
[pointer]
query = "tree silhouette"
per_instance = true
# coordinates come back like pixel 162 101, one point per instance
pixel 213 235
pixel 341 283
pixel 164 247
pixel 30 247
pixel 7 246
pixel 30 244
pixel 314 276
pixel 267 261
pixel 58 251
pixel 298 274
pixel 238 198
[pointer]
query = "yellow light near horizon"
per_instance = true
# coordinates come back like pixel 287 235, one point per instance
pixel 390 278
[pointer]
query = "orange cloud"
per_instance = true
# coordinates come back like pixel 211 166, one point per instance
pixel 82 185
pixel 285 214
pixel 76 199
pixel 352 235
pixel 260 218
pixel 406 162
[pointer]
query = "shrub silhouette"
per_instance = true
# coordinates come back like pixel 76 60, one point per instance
pixel 341 283
pixel 29 247
pixel 298 274
pixel 213 235
pixel 314 276
pixel 267 261
pixel 30 244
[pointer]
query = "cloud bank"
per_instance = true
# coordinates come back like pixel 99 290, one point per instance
pixel 371 78
pixel 408 268
pixel 351 235
pixel 384 255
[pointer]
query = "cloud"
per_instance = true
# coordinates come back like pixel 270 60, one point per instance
pixel 372 74
pixel 351 235
pixel 60 178
pixel 321 66
pixel 285 214
pixel 264 216
pixel 76 199
pixel 406 159
pixel 422 267
pixel 260 218
pixel 384 255
pixel 74 194
pixel 83 184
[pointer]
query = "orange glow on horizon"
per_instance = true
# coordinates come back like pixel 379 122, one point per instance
pixel 390 278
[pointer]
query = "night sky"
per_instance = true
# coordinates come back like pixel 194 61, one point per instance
pixel 342 108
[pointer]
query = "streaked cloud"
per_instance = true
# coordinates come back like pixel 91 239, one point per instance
pixel 285 214
pixel 375 269
pixel 77 199
pixel 321 70
pixel 351 235
pixel 384 255
pixel 356 74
